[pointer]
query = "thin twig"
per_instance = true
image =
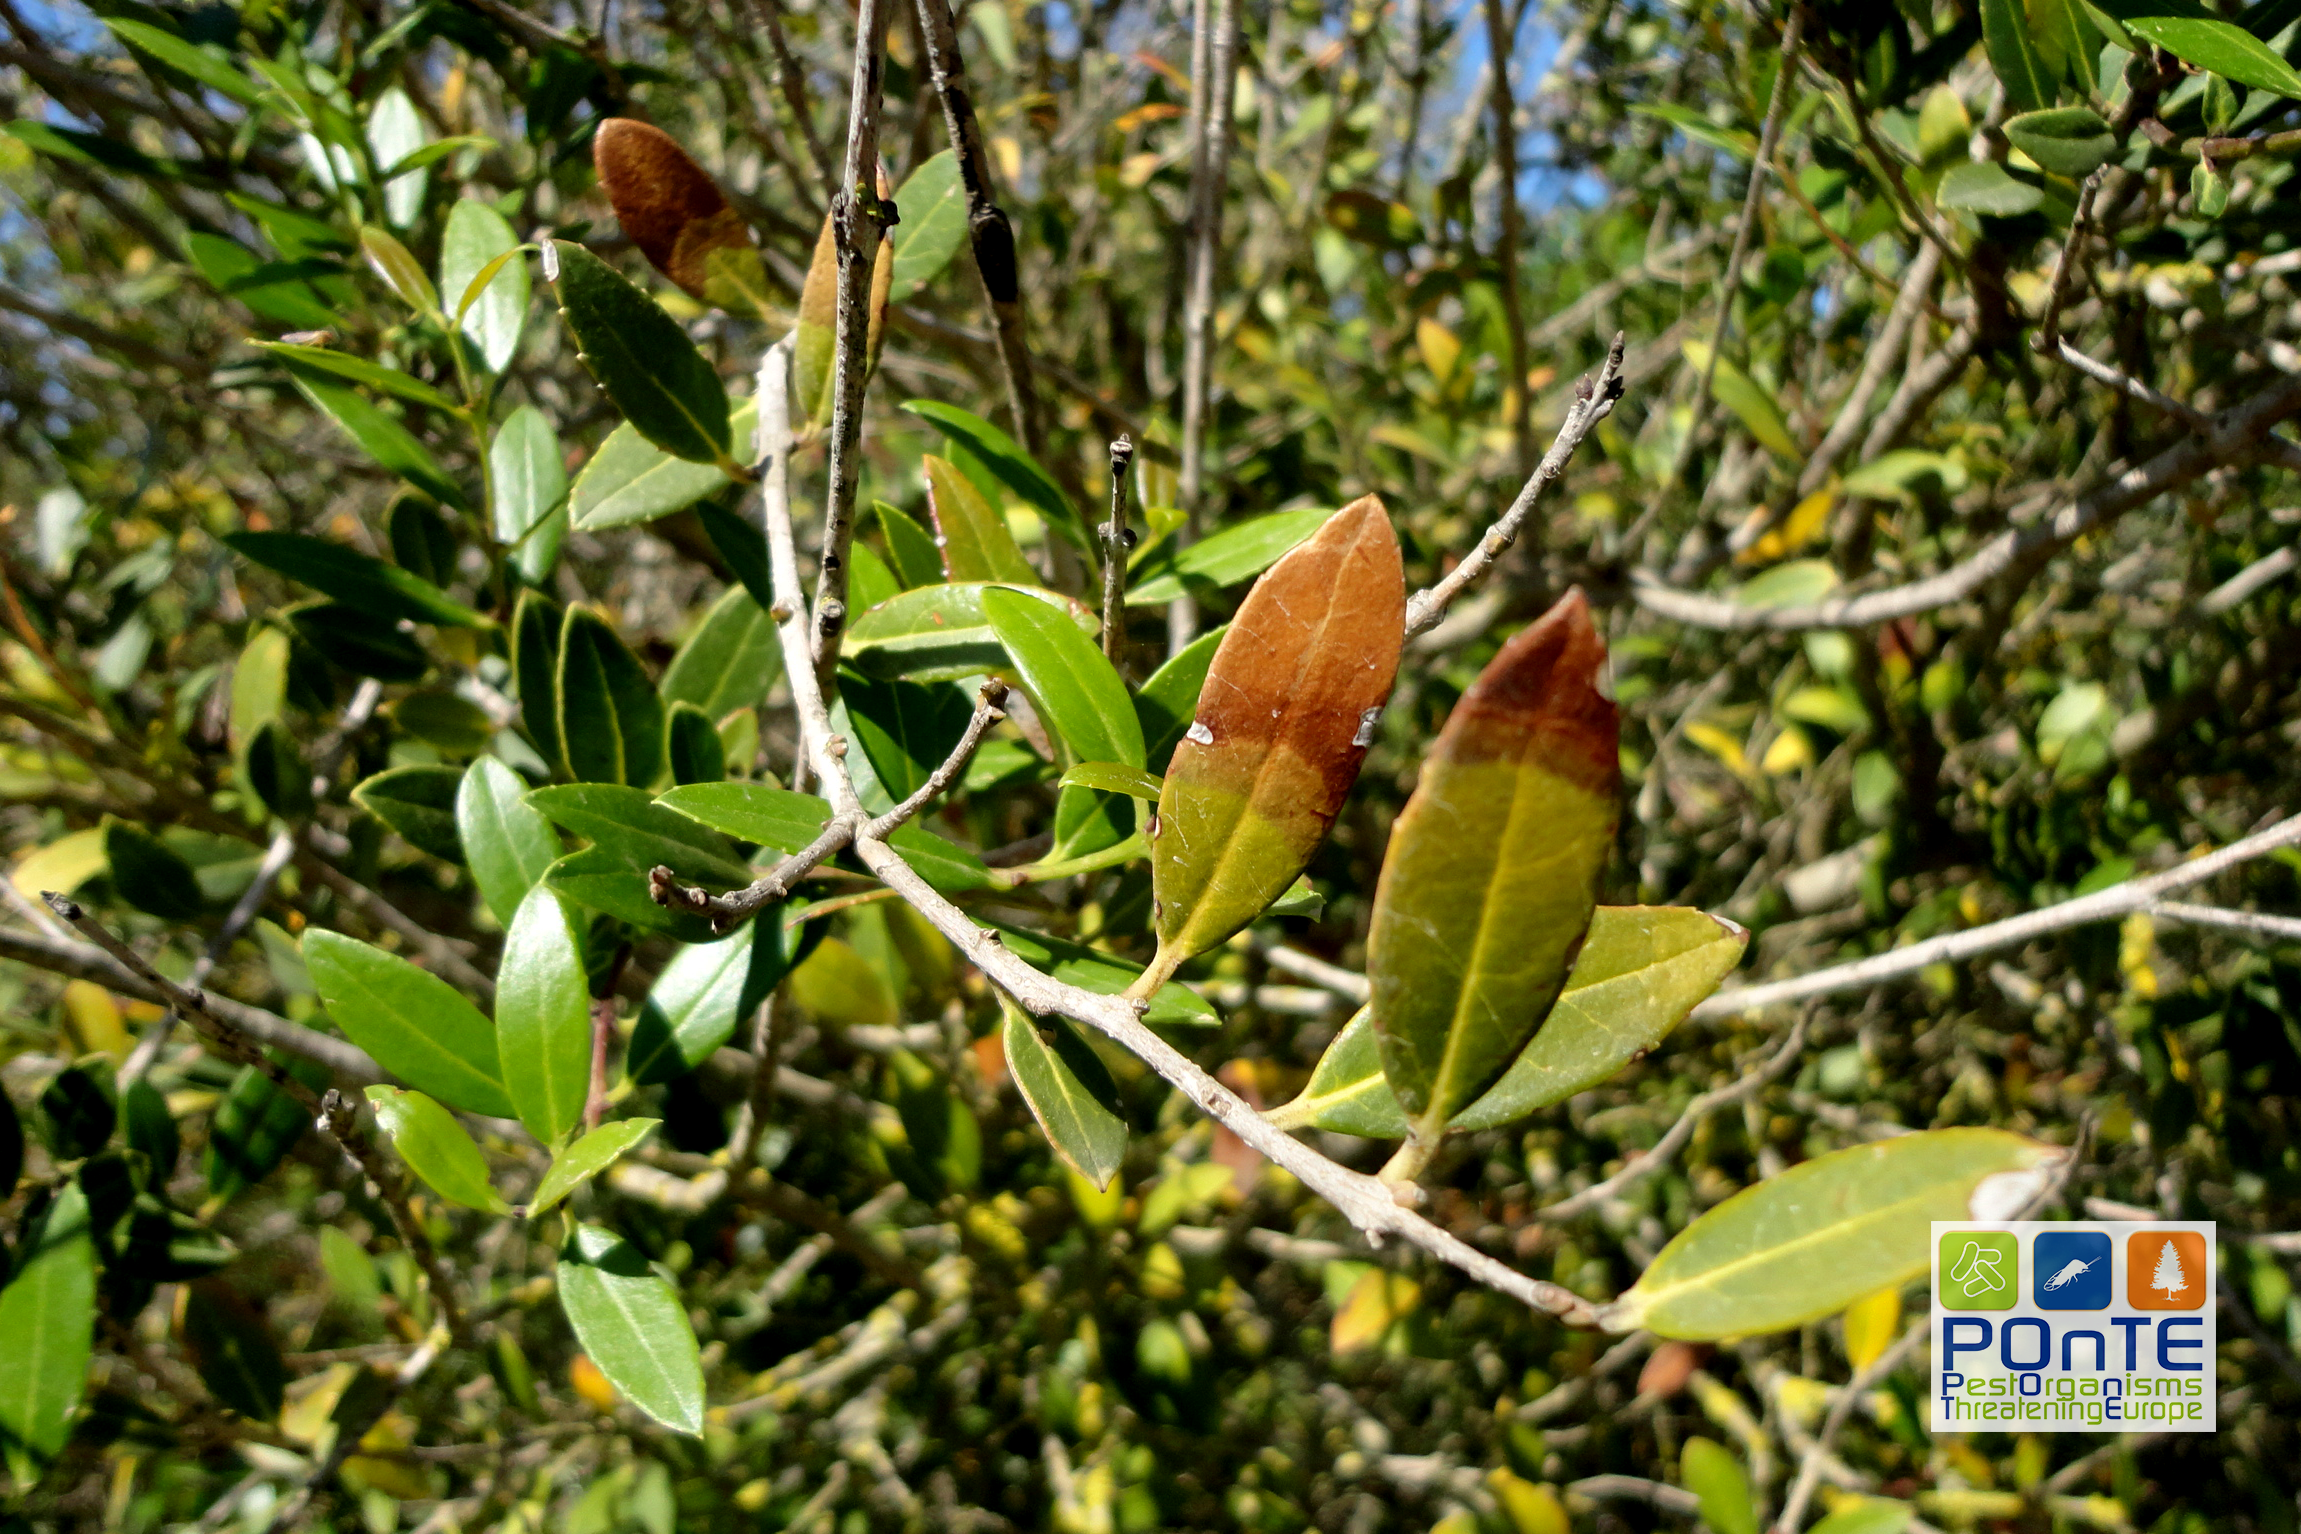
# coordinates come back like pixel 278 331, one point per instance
pixel 1648 1162
pixel 2233 435
pixel 726 912
pixel 1593 400
pixel 859 220
pixel 2129 386
pixel 988 712
pixel 2283 929
pixel 1500 44
pixel 792 81
pixel 2065 265
pixel 1880 356
pixel 1856 1390
pixel 1730 280
pixel 2111 904
pixel 988 230
pixel 1117 538
pixel 1212 57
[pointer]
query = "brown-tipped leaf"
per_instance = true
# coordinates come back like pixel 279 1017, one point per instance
pixel 814 363
pixel 671 208
pixel 1284 720
pixel 1493 868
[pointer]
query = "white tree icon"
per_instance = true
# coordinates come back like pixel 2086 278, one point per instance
pixel 2169 1276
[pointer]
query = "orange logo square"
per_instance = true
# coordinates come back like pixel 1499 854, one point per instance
pixel 2165 1270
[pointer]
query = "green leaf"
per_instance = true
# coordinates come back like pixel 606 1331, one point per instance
pixel 1081 699
pixel 905 729
pixel 692 745
pixel 2196 36
pixel 530 483
pixel 379 435
pixel 1640 971
pixel 150 875
pixel 276 771
pixel 667 390
pixel 783 821
pixel 355 579
pixel 1114 778
pixel 1742 145
pixel 2068 141
pixel 145 1121
pixel 1718 1479
pixel 1808 1243
pixel 1224 559
pixel 232 1347
pixel 543 1017
pixel 1866 1515
pixel 535 628
pixel 1171 1006
pixel 207 67
pixel 476 239
pixel 730 661
pixel 743 545
pixel 77 1114
pixel 360 370
pixel 837 985
pixel 705 992
pixel 976 542
pixel 395 135
pixel 415 1024
pixel 931 205
pixel 1983 186
pixel 1009 463
pixel 256 1125
pixel 421 542
pixel 436 1147
pixel 2005 37
pixel 1758 411
pixel 274 291
pixel 1893 476
pixel 586 1159
pixel 632 1325
pixel 631 480
pixel 940 633
pixel 419 802
pixel 1283 722
pixel 1166 703
pixel 610 716
pixel 447 720
pixel 1797 583
pixel 47 1326
pixel 360 642
pixel 506 841
pixel 399 269
pixel 911 548
pixel 642 832
pixel 12 1146
pixel 599 879
pixel 1493 868
pixel 1070 1092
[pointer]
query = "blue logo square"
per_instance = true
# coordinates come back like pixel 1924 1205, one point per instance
pixel 2070 1270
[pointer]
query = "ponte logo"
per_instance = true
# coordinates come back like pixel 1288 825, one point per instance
pixel 2073 1326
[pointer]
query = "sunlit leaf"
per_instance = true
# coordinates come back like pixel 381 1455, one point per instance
pixel 477 237
pixel 530 484
pixel 435 1147
pixel 417 801
pixel 632 1326
pixel 976 543
pixel 415 1024
pixel 47 1325
pixel 1069 1091
pixel 589 1156
pixel 932 204
pixel 632 480
pixel 940 633
pixel 1714 1476
pixel 1749 400
pixel 706 991
pixel 1083 700
pixel 1009 463
pixel 543 1017
pixel 1167 701
pixel 378 434
pixel 506 841
pixel 1222 559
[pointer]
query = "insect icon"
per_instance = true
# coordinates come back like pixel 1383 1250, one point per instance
pixel 2068 1273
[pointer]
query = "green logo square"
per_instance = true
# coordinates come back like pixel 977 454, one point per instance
pixel 1980 1270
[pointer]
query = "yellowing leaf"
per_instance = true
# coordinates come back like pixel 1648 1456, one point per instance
pixel 1749 400
pixel 1441 348
pixel 95 1018
pixel 63 865
pixel 1871 1324
pixel 1377 1302
pixel 1721 745
pixel 1788 751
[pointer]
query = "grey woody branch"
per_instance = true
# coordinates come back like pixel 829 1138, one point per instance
pixel 1117 538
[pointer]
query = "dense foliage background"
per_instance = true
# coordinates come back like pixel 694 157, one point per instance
pixel 1402 303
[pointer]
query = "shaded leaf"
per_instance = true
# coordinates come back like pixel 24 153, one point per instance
pixel 706 991
pixel 543 1017
pixel 276 771
pixel 610 716
pixel 435 1147
pixel 360 642
pixel 906 729
pixel 1069 1090
pixel 1493 867
pixel 421 543
pixel 743 545
pixel 447 720
pixel 419 802
pixel 632 1326
pixel 2069 141
pixel 585 1159
pixel 378 435
pixel 641 832
pixel 1009 463
pixel 477 243
pixel 535 631
pixel 1983 186
pixel 506 840
pixel 692 745
pixel 355 579
pixel 202 64
pixel 1282 724
pixel 911 551
pixel 941 634
pixel 530 484
pixel 1811 1241
pixel 931 207
pixel 415 1024
pixel 730 661
pixel 667 390
pixel 232 1347
pixel 632 480
pixel 150 875
pixel 256 1125
pixel 2005 36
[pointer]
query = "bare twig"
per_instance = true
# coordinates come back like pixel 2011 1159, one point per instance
pixel 1117 538
pixel 1593 399
pixel 2233 592
pixel 1499 46
pixel 2233 434
pixel 2129 386
pixel 791 79
pixel 988 229
pixel 2119 900
pixel 1878 362
pixel 1213 54
pixel 726 912
pixel 1730 280
pixel 2283 929
pixel 1647 1162
pixel 2065 266
pixel 859 220
pixel 987 713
